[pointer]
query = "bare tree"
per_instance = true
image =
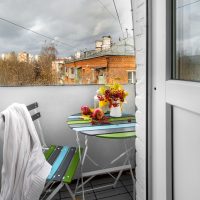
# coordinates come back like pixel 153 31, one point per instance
pixel 13 72
pixel 43 68
pixel 49 51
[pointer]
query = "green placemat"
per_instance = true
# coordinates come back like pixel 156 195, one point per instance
pixel 118 135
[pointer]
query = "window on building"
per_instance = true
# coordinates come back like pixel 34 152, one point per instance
pixel 71 73
pixel 93 76
pixel 78 75
pixel 187 37
pixel 131 77
pixel 72 70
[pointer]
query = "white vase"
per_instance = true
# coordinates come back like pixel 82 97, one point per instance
pixel 116 111
pixel 96 102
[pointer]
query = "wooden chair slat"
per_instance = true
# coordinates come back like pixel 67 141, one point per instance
pixel 36 116
pixel 67 178
pixel 64 165
pixel 54 155
pixel 49 152
pixel 32 106
pixel 58 161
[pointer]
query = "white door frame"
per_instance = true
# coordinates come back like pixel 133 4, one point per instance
pixel 164 94
pixel 160 127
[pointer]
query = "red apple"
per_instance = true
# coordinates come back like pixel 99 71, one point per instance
pixel 85 110
pixel 98 114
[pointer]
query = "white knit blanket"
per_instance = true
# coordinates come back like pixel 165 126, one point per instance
pixel 24 169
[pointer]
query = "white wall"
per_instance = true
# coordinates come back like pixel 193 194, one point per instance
pixel 140 44
pixel 56 103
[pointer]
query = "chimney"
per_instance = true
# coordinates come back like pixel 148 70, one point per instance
pixel 78 55
pixel 98 45
pixel 107 42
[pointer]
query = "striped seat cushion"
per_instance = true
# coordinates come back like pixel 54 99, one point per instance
pixel 64 161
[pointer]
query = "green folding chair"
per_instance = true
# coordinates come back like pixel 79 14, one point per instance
pixel 64 161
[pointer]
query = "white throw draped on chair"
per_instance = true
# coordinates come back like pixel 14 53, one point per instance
pixel 24 169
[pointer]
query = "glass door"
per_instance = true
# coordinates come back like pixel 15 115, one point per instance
pixel 183 95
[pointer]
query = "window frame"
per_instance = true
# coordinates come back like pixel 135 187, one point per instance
pixel 133 77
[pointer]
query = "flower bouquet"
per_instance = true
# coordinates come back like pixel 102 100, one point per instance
pixel 113 96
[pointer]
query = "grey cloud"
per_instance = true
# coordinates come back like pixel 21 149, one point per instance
pixel 76 22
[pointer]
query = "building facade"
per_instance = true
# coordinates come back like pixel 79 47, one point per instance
pixel 100 70
pixel 109 64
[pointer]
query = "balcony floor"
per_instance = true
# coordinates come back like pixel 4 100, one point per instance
pixel 123 191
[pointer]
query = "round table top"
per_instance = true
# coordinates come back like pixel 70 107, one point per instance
pixel 117 128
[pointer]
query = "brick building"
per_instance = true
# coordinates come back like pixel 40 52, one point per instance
pixel 116 63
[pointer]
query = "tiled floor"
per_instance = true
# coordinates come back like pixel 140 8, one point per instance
pixel 123 190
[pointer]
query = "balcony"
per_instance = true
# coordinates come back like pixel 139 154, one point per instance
pixel 60 69
pixel 56 103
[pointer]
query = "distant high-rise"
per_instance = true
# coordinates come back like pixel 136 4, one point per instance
pixel 23 57
pixel 8 56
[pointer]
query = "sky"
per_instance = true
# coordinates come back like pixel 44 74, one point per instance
pixel 76 23
pixel 188 27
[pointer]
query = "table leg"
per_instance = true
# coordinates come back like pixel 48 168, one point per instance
pixel 126 161
pixel 132 176
pixel 120 172
pixel 81 166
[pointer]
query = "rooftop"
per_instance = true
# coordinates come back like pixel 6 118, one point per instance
pixel 124 47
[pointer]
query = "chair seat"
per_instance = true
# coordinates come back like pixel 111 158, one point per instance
pixel 64 161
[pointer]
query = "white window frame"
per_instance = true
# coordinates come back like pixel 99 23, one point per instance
pixel 133 77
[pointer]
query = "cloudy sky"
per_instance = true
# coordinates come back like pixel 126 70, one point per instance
pixel 188 27
pixel 77 23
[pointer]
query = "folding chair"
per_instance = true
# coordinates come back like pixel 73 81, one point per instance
pixel 64 161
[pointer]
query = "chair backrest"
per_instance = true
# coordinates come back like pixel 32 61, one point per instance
pixel 35 117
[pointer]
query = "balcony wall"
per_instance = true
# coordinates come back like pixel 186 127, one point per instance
pixel 56 103
pixel 140 29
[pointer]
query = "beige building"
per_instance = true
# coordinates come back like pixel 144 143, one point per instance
pixel 8 56
pixel 23 57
